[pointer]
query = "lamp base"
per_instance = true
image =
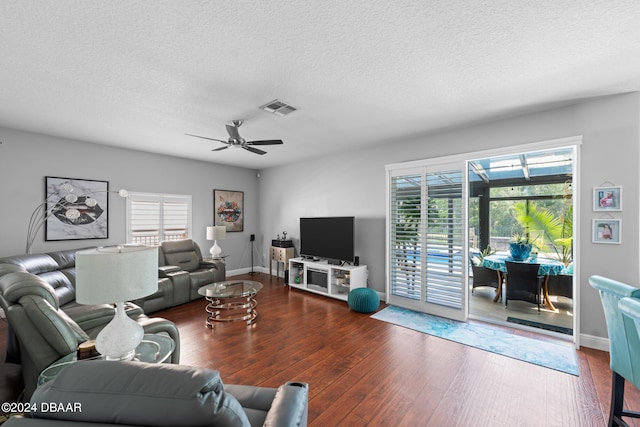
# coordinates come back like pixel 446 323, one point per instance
pixel 119 339
pixel 215 250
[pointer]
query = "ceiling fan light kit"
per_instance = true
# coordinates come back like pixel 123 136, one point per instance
pixel 235 140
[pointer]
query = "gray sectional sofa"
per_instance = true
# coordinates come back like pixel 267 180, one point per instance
pixel 37 293
pixel 181 271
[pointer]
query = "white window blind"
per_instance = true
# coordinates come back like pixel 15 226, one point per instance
pixel 152 218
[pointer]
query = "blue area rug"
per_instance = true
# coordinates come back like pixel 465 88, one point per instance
pixel 543 353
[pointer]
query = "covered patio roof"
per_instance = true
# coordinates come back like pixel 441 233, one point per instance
pixel 522 167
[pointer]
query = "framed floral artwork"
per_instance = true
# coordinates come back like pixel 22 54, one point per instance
pixel 76 209
pixel 228 209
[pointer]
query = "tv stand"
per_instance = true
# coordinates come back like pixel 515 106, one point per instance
pixel 320 277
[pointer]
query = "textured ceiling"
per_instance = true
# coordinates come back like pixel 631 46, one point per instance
pixel 141 74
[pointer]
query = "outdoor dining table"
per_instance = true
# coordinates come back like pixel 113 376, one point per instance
pixel 548 267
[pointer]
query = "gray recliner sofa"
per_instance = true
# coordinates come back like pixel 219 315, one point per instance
pixel 41 332
pixel 136 394
pixel 181 271
pixel 182 261
pixel 47 285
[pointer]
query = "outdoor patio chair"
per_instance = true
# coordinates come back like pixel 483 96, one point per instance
pixel 483 276
pixel 523 283
pixel 624 345
pixel 560 285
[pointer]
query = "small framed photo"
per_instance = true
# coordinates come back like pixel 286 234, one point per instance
pixel 607 198
pixel 228 209
pixel 607 231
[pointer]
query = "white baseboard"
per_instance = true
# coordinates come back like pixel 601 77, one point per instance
pixel 597 343
pixel 247 270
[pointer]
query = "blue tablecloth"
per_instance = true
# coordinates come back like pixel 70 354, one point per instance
pixel 548 267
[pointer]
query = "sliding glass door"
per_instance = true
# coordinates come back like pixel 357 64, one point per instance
pixel 427 268
pixel 431 240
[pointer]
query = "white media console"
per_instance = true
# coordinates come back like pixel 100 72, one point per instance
pixel 327 279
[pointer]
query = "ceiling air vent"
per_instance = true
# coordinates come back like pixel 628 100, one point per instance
pixel 279 108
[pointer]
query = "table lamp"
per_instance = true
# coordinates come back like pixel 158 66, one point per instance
pixel 116 274
pixel 215 233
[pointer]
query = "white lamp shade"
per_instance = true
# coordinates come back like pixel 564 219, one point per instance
pixel 116 274
pixel 217 232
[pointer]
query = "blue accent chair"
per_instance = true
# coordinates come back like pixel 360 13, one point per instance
pixel 624 344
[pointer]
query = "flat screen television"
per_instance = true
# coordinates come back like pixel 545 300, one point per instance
pixel 331 238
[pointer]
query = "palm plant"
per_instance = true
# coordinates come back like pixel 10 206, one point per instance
pixel 556 233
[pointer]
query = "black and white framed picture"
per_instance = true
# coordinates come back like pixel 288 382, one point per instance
pixel 76 209
pixel 607 198
pixel 606 231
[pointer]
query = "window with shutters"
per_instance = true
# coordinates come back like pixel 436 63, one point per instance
pixel 152 218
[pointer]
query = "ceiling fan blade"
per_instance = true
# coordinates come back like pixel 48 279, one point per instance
pixel 221 148
pixel 204 137
pixel 254 150
pixel 266 142
pixel 233 132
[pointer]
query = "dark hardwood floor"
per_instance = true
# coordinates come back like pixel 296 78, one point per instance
pixel 364 372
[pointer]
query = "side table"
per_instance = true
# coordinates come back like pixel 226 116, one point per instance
pixel 279 255
pixel 152 349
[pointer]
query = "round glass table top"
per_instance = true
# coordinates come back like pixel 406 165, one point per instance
pixel 231 289
pixel 153 348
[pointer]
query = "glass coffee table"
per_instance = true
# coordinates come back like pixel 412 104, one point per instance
pixel 153 348
pixel 230 301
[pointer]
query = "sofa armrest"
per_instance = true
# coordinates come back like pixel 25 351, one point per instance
pixel 290 406
pixel 217 265
pixel 155 325
pixel 209 263
pixel 283 407
pixel 164 270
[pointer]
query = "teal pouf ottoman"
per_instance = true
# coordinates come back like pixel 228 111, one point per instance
pixel 363 300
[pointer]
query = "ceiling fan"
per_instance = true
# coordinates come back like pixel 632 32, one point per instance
pixel 235 140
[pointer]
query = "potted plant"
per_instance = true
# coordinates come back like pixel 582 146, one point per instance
pixel 520 247
pixel 557 232
pixel 477 258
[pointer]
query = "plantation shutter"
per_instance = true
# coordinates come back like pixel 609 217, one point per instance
pixel 445 238
pixel 426 269
pixel 406 232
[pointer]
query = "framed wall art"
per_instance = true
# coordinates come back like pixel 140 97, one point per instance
pixel 228 209
pixel 607 198
pixel 606 231
pixel 76 209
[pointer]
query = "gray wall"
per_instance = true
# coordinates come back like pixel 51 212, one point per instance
pixel 26 158
pixel 353 183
